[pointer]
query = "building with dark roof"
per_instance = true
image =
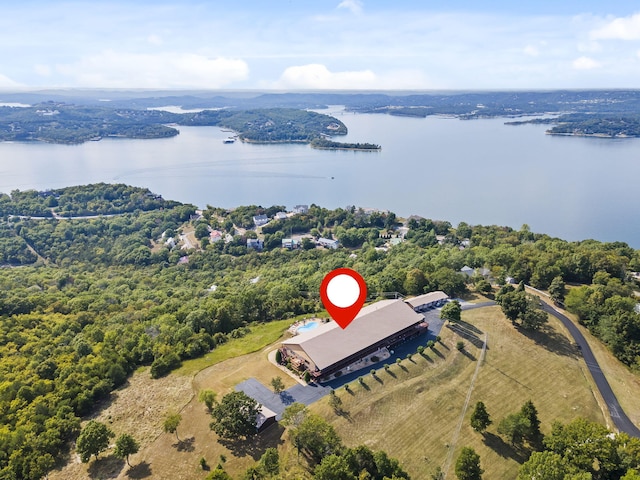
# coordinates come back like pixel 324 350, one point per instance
pixel 328 349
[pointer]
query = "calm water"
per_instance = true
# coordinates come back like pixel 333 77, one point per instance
pixel 479 171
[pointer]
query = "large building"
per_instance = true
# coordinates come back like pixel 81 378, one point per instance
pixel 329 349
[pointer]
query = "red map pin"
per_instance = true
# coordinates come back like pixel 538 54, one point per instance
pixel 343 292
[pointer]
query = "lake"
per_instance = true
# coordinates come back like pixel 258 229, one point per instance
pixel 477 171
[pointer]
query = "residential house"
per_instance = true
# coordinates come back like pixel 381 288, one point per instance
pixel 290 243
pixel 260 220
pixel 328 243
pixel 301 209
pixel 255 243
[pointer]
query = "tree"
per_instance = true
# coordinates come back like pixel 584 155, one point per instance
pixel 451 311
pixel 270 461
pixel 335 402
pixel 93 439
pixel 294 414
pixel 333 467
pixel 236 415
pixel 532 433
pixel 316 437
pixel 460 345
pixel 277 384
pixel 208 397
pixel 171 423
pixel 631 475
pixel 557 290
pixel 468 465
pixel 543 465
pixel 514 427
pixel 480 418
pixel 126 445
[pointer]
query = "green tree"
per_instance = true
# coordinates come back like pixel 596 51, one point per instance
pixel 93 439
pixel 415 282
pixel 557 290
pixel 451 311
pixel 219 474
pixel 270 461
pixel 171 423
pixel 294 415
pixel 316 438
pixel 480 418
pixel 277 384
pixel 631 475
pixel 514 428
pixel 126 445
pixel 532 433
pixel 235 416
pixel 333 467
pixel 468 465
pixel 208 397
pixel 543 465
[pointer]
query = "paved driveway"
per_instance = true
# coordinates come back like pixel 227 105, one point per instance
pixel 305 394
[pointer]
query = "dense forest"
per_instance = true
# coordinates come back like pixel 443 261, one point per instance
pixel 71 124
pixel 87 301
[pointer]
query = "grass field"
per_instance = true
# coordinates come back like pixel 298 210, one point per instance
pixel 410 411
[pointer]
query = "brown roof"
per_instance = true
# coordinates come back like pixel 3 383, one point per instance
pixel 374 323
pixel 426 298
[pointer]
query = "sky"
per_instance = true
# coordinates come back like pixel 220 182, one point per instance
pixel 320 44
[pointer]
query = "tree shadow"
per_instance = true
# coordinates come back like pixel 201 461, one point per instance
pixel 186 445
pixel 378 379
pixel 469 335
pixel 391 373
pixel 344 414
pixel 255 445
pixel 505 450
pixel 469 326
pixel 350 391
pixel 364 384
pixel 106 467
pixel 437 352
pixel 552 340
pixel 287 398
pixel 141 470
pixel 468 355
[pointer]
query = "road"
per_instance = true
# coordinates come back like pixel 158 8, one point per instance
pixel 620 419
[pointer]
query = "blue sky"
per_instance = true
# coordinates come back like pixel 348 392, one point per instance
pixel 320 44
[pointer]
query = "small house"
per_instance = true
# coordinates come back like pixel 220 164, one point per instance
pixel 328 243
pixel 425 302
pixel 255 243
pixel 281 216
pixel 260 220
pixel 215 236
pixel 301 209
pixel 290 243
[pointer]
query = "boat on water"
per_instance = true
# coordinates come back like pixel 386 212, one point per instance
pixel 228 140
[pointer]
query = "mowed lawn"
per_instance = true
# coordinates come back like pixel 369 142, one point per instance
pixel 412 414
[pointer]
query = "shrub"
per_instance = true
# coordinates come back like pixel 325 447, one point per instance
pixel 460 345
pixel 278 357
pixel 375 359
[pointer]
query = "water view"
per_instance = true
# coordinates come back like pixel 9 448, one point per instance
pixel 479 171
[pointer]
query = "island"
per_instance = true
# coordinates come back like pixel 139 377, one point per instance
pixel 326 144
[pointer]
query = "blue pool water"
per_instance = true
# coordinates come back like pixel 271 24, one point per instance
pixel 307 327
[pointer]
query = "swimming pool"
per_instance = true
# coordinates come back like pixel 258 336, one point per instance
pixel 307 327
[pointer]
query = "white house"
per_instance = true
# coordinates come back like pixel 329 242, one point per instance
pixel 301 209
pixel 260 220
pixel 290 243
pixel 281 216
pixel 215 236
pixel 328 243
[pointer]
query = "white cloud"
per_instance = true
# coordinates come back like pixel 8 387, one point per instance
pixel 624 28
pixel 318 77
pixel 531 51
pixel 355 6
pixel 585 63
pixel 169 70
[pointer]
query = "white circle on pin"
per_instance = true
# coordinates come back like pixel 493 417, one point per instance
pixel 343 290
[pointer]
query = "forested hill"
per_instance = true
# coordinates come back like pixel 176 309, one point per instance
pixel 56 122
pixel 93 299
pixel 591 125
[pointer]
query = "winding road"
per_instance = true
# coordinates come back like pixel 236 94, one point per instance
pixel 620 419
